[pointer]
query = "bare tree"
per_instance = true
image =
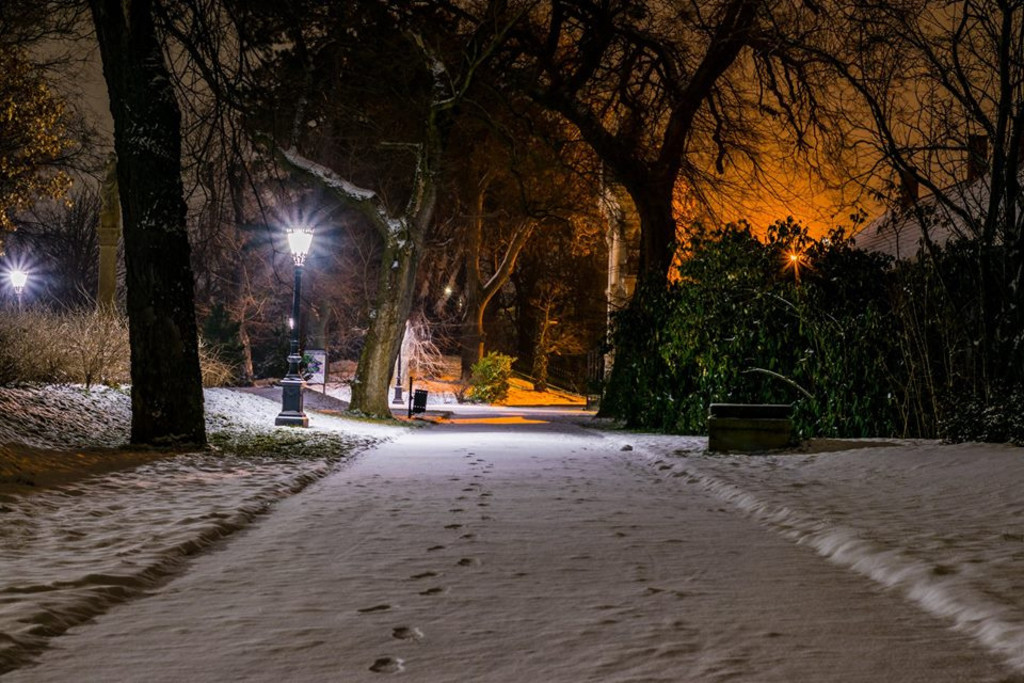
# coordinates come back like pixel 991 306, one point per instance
pixel 167 393
pixel 935 93
pixel 402 229
pixel 64 244
pixel 639 81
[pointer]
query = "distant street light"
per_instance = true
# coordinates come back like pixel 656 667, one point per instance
pixel 292 384
pixel 18 280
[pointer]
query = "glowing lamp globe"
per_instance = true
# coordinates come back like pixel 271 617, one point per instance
pixel 18 280
pixel 300 239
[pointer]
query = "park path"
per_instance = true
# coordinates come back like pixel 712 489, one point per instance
pixel 532 550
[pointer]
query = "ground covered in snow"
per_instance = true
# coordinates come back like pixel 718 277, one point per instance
pixel 507 545
pixel 86 522
pixel 941 525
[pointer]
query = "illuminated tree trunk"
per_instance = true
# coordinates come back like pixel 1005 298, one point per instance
pixel 392 306
pixel 167 391
pixel 403 238
pixel 479 293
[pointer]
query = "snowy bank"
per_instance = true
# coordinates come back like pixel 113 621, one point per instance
pixel 943 525
pixel 74 544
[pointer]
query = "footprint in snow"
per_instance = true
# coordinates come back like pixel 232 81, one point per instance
pixel 387 665
pixel 435 547
pixel 436 590
pixel 422 575
pixel 375 608
pixel 468 562
pixel 406 633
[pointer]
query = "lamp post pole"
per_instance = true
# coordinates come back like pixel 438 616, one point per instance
pixel 292 384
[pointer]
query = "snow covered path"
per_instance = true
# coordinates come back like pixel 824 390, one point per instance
pixel 521 552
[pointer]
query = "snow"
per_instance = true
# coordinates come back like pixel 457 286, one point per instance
pixel 73 550
pixel 328 177
pixel 516 544
pixel 941 525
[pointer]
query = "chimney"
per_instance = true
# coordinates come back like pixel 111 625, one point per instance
pixel 977 157
pixel 908 187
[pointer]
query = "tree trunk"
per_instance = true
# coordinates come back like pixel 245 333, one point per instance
pixel 167 391
pixel 541 356
pixel 248 371
pixel 472 339
pixel 473 324
pixel 479 293
pixel 652 197
pixel 393 303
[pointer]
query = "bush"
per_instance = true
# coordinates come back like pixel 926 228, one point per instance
pixel 80 347
pixel 490 378
pixel 995 419
pixel 83 347
pixel 746 323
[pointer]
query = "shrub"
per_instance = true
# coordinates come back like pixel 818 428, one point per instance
pixel 84 347
pixel 97 347
pixel 490 378
pixel 79 347
pixel 745 323
pixel 215 370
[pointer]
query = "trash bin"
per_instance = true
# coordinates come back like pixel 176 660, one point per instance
pixel 419 401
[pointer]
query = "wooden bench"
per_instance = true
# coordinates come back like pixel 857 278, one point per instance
pixel 749 426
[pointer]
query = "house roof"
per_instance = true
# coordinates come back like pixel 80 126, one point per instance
pixel 898 232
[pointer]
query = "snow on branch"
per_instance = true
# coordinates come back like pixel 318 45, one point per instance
pixel 327 177
pixel 363 200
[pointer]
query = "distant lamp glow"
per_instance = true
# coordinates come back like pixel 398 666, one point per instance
pixel 18 279
pixel 796 260
pixel 300 239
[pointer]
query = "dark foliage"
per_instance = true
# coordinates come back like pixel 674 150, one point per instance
pixel 860 346
pixel 787 320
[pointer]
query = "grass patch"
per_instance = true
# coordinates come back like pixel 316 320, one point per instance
pixel 287 443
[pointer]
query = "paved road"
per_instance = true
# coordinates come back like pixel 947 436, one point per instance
pixel 532 550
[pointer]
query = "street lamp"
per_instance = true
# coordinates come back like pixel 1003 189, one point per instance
pixel 18 280
pixel 292 384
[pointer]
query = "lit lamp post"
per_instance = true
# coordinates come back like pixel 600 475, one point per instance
pixel 18 280
pixel 292 384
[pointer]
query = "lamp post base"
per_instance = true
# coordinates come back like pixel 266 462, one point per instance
pixel 398 394
pixel 291 414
